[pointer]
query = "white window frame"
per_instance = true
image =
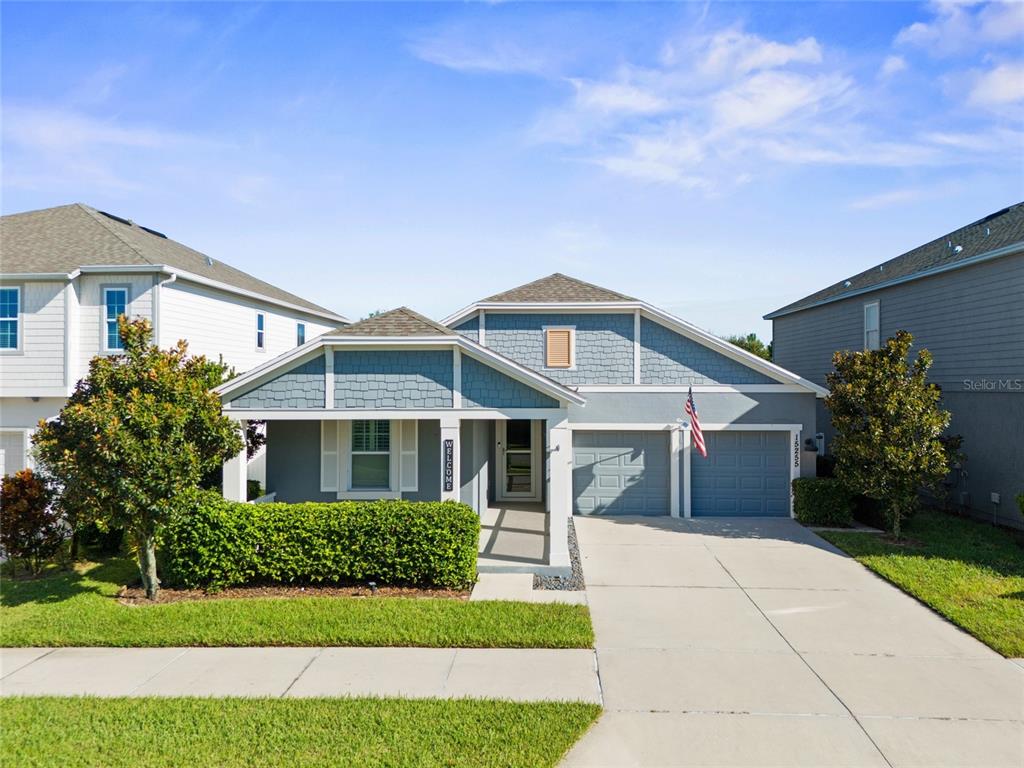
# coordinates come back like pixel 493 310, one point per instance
pixel 261 333
pixel 18 324
pixel 878 325
pixel 352 453
pixel 104 290
pixel 408 480
pixel 572 346
pixel 300 334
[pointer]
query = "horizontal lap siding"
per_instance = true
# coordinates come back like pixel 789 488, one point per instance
pixel 92 312
pixel 970 319
pixel 219 324
pixel 40 361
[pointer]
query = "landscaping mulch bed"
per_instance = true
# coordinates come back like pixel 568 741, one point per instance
pixel 136 595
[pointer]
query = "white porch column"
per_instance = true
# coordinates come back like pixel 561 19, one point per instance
pixel 235 471
pixel 559 488
pixel 687 451
pixel 450 466
pixel 675 451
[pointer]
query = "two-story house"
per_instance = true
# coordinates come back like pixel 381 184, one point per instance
pixel 557 397
pixel 962 297
pixel 67 273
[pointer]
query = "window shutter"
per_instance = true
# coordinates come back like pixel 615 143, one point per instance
pixel 328 455
pixel 559 345
pixel 408 459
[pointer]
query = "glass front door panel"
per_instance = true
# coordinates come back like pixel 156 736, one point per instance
pixel 519 457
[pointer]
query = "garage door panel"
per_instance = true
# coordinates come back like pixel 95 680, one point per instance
pixel 745 473
pixel 620 473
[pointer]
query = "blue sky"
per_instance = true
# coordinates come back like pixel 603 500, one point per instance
pixel 719 160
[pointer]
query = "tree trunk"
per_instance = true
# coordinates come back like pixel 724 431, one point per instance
pixel 147 565
pixel 897 515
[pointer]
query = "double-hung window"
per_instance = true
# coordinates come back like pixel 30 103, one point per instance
pixel 115 304
pixel 371 455
pixel 10 317
pixel 872 339
pixel 300 334
pixel 261 331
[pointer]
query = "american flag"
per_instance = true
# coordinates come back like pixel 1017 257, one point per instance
pixel 695 432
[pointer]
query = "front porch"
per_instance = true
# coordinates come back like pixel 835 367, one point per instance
pixel 516 538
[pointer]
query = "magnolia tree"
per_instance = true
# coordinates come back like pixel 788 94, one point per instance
pixel 139 430
pixel 888 425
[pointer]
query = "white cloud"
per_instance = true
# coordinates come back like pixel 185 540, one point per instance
pixel 888 199
pixel 616 97
pixel 734 52
pixel 56 129
pixel 892 65
pixel 959 27
pixel 999 86
pixel 768 98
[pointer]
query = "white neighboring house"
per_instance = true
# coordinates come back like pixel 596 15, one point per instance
pixel 66 273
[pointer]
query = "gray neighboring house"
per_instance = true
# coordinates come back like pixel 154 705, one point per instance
pixel 962 297
pixel 552 399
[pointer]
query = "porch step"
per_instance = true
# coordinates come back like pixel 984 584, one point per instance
pixel 519 586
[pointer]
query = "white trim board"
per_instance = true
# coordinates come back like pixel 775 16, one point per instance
pixel 683 388
pixel 352 414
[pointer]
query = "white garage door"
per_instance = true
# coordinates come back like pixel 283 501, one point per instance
pixel 620 473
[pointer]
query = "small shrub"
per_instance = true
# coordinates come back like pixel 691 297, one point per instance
pixel 822 501
pixel 214 543
pixel 31 529
pixel 253 490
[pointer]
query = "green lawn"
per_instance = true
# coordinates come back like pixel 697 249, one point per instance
pixel 79 608
pixel 287 732
pixel 970 572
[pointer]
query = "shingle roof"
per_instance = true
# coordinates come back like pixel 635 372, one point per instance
pixel 400 323
pixel 558 288
pixel 997 230
pixel 68 237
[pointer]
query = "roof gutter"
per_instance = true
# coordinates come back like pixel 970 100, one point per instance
pixel 981 257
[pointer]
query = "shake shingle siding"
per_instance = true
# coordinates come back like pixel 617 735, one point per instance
pixel 603 345
pixel 301 387
pixel 484 387
pixel 470 328
pixel 669 358
pixel 385 379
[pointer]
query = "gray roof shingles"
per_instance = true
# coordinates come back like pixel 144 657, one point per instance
pixel 998 230
pixel 398 323
pixel 555 289
pixel 65 238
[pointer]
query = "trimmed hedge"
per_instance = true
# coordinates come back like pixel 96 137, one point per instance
pixel 213 543
pixel 822 501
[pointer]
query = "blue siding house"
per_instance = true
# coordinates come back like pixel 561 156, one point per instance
pixel 962 297
pixel 557 397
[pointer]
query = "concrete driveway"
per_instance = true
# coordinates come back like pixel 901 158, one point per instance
pixel 753 642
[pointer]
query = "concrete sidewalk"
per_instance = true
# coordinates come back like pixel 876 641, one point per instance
pixel 518 674
pixel 753 642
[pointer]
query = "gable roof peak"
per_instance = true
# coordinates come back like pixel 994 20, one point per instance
pixel 557 288
pixel 400 322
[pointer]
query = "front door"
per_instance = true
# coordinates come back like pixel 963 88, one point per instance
pixel 518 452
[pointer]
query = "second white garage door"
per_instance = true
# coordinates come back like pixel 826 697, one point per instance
pixel 620 473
